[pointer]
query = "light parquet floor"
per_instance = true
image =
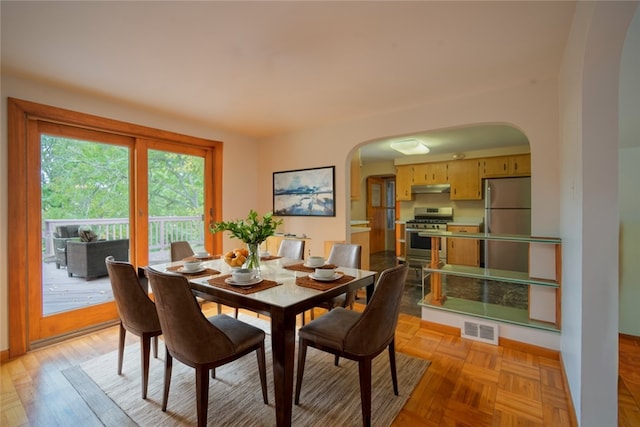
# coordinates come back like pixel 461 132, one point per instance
pixel 467 384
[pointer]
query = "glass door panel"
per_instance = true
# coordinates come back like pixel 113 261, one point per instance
pixel 175 200
pixel 85 217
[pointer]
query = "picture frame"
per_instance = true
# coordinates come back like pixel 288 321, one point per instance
pixel 304 192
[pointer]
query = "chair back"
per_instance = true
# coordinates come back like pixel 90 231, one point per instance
pixel 345 255
pixel 187 333
pixel 137 311
pixel 291 248
pixel 180 250
pixel 377 324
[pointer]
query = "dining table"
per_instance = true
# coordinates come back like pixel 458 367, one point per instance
pixel 286 288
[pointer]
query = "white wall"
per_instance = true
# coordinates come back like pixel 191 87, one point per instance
pixel 531 107
pixel 629 159
pixel 239 165
pixel 589 103
pixel 629 176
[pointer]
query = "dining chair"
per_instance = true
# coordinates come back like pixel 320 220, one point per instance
pixel 359 336
pixel 291 248
pixel 182 249
pixel 342 255
pixel 136 311
pixel 200 342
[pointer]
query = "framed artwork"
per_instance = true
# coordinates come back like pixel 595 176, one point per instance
pixel 304 192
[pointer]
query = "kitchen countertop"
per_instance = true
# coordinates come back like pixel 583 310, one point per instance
pixel 359 222
pixel 467 221
pixel 360 229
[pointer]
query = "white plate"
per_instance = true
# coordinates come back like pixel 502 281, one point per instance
pixel 313 266
pixel 230 281
pixel 336 276
pixel 202 256
pixel 197 270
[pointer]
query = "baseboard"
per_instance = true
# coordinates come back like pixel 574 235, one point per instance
pixel 572 412
pixel 4 355
pixel 503 342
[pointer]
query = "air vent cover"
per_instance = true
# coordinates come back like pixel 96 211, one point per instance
pixel 480 331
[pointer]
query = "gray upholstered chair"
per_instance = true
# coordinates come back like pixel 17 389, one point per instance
pixel 359 336
pixel 86 259
pixel 182 249
pixel 199 342
pixel 291 248
pixel 342 255
pixel 137 313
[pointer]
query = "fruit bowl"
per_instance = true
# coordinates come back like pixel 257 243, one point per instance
pixel 236 257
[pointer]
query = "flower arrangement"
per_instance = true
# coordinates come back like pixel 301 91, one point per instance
pixel 252 230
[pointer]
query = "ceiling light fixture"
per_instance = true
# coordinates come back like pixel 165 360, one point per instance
pixel 410 146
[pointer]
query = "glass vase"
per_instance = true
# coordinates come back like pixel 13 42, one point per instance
pixel 253 259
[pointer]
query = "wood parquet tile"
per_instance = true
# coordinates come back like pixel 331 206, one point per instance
pixel 467 384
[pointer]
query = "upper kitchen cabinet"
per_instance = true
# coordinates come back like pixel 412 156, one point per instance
pixel 404 177
pixel 464 177
pixel 506 166
pixel 355 176
pixel 431 173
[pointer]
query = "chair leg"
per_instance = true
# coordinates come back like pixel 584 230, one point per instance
pixel 235 312
pixel 123 333
pixel 392 364
pixel 202 394
pixel 336 360
pixel 364 366
pixel 145 350
pixel 155 347
pixel 168 364
pixel 302 355
pixel 219 308
pixel 262 369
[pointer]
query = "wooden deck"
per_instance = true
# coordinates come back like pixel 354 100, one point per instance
pixel 63 293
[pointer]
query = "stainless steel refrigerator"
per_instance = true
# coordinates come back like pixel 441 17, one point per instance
pixel 507 211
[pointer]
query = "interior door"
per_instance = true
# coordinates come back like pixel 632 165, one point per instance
pixel 376 213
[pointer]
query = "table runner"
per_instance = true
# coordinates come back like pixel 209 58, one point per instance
pixel 204 273
pixel 219 282
pixel 301 267
pixel 269 258
pixel 308 282
pixel 194 259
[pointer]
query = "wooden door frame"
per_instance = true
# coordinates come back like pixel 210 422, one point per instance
pixel 25 244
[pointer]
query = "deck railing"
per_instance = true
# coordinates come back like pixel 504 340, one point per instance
pixel 162 231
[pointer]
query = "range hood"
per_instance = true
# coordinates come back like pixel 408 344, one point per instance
pixel 431 188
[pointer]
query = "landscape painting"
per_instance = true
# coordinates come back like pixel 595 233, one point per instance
pixel 304 192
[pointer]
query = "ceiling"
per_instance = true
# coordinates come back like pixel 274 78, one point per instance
pixel 265 68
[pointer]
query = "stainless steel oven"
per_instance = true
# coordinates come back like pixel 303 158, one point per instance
pixel 419 248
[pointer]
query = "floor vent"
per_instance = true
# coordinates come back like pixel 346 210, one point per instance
pixel 480 331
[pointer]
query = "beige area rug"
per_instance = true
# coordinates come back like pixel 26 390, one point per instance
pixel 330 395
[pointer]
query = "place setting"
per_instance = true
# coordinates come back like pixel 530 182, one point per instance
pixel 200 257
pixel 193 269
pixel 323 277
pixel 243 280
pixel 312 264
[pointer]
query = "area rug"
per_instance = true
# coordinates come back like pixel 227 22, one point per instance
pixel 330 395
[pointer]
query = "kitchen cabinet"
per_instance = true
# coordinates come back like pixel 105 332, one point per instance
pixel 463 251
pixel 355 176
pixel 506 166
pixel 431 173
pixel 436 297
pixel 401 249
pixel 464 177
pixel 404 176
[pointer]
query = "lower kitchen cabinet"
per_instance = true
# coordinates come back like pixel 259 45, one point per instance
pixel 463 251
